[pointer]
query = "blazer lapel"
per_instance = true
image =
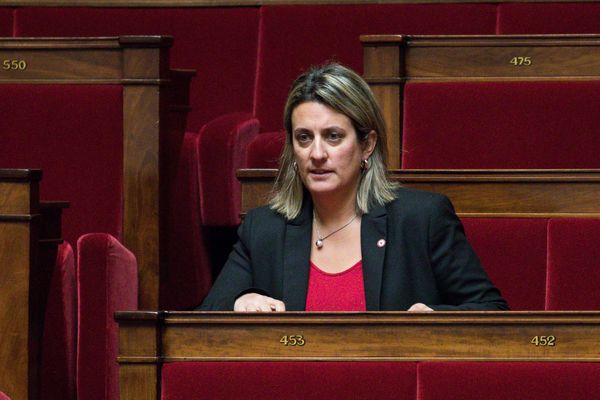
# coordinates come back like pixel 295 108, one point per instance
pixel 373 236
pixel 296 258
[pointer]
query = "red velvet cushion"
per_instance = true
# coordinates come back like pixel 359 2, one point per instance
pixel 526 17
pixel 220 43
pixel 74 134
pixel 60 325
pixel 288 380
pixel 6 24
pixel 264 151
pixel 294 37
pixel 513 253
pixel 221 151
pixel 3 396
pixel 510 380
pixel 188 278
pixel 573 264
pixel 501 125
pixel 106 282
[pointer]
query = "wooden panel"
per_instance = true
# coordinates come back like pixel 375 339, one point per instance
pixel 141 182
pixel 20 321
pixel 15 353
pixel 473 56
pixel 382 69
pixel 398 336
pixel 139 351
pixel 67 65
pixel 480 193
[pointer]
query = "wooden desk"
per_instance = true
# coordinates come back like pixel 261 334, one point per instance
pixel 30 233
pixel 148 339
pixel 155 106
pixel 479 193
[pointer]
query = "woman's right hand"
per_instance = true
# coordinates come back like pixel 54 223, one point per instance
pixel 254 302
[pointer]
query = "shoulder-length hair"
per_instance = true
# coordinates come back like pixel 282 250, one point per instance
pixel 346 92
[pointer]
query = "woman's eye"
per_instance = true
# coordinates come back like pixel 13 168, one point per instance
pixel 335 136
pixel 302 137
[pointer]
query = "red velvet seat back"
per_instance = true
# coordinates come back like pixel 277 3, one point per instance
pixel 220 151
pixel 264 151
pixel 538 18
pixel 6 23
pixel 106 282
pixel 509 380
pixel 188 278
pixel 219 43
pixel 60 330
pixel 292 38
pixel 288 380
pixel 74 134
pixel 513 253
pixel 501 125
pixel 573 264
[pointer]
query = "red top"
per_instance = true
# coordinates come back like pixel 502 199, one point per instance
pixel 342 291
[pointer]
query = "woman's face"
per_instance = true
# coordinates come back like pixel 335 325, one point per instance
pixel 327 150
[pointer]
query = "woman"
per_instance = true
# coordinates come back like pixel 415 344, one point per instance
pixel 337 235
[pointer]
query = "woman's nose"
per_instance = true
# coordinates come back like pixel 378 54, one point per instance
pixel 318 151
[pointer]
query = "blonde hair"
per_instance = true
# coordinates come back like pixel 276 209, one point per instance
pixel 346 92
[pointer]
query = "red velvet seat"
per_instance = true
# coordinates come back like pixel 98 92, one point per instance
pixel 60 330
pixel 510 380
pixel 513 253
pixel 538 18
pixel 573 264
pixel 221 151
pixel 501 125
pixel 74 134
pixel 288 380
pixel 6 23
pixel 292 38
pixel 106 282
pixel 264 151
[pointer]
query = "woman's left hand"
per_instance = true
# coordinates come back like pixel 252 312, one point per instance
pixel 419 307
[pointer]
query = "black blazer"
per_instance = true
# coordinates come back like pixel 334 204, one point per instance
pixel 426 258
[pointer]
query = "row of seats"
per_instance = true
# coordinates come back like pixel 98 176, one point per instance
pixel 257 51
pixel 539 263
pixel 380 380
pixel 80 337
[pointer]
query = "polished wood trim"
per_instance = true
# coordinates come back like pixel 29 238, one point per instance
pixel 24 175
pixel 242 3
pixel 479 193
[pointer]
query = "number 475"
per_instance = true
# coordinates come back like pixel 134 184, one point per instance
pixel 518 61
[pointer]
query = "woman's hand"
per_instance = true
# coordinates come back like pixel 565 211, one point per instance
pixel 254 302
pixel 419 307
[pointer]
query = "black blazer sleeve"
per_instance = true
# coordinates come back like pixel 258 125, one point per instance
pixel 460 278
pixel 235 278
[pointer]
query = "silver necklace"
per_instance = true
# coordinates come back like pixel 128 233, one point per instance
pixel 321 239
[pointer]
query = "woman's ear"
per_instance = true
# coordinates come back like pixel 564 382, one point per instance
pixel 369 144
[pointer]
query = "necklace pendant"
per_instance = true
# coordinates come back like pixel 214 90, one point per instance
pixel 319 243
